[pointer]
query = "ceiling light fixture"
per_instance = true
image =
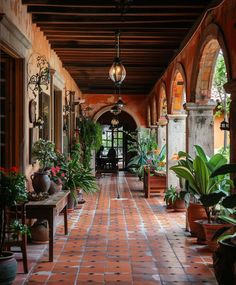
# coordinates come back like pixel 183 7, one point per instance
pixel 117 71
pixel 115 110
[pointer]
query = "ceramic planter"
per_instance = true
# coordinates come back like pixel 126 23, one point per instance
pixel 195 212
pixel 40 181
pixel 8 268
pixel 179 205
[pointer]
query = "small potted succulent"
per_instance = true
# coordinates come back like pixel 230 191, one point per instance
pixel 12 191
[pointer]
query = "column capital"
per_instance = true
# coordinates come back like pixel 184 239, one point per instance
pixel 176 117
pixel 203 107
pixel 52 71
pixel 230 87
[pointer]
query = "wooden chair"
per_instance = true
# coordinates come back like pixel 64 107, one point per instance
pixel 13 239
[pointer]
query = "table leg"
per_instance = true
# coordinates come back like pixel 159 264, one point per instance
pixel 65 220
pixel 51 219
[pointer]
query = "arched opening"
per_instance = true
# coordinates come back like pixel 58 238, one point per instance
pixel 211 78
pixel 178 93
pixel 163 103
pixel 114 135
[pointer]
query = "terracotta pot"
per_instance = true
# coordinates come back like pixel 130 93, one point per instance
pixel 224 260
pixel 8 268
pixel 179 205
pixel 71 203
pixel 195 212
pixel 210 230
pixel 201 237
pixel 40 232
pixel 40 181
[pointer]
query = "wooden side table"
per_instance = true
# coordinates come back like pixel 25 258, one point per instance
pixel 48 209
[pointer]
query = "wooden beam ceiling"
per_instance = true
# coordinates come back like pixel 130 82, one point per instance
pixel 82 33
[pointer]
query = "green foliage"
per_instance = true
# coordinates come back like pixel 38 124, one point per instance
pixel 19 228
pixel 147 153
pixel 90 139
pixel 219 79
pixel 12 191
pixel 197 172
pixel 76 176
pixel 44 151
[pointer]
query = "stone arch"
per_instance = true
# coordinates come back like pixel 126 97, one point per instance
pixel 108 108
pixel 149 115
pixel 211 42
pixel 153 110
pixel 178 89
pixel 162 101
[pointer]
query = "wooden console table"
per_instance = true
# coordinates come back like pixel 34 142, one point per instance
pixel 48 209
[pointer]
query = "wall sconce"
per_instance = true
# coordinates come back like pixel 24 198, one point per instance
pixel 67 108
pixel 224 126
pixel 39 123
pixel 41 78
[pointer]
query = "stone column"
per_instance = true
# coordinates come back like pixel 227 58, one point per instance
pixel 200 127
pixel 176 141
pixel 230 88
pixel 161 132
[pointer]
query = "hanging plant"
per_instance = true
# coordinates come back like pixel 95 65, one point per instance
pixel 90 139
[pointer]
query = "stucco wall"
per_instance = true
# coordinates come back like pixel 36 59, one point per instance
pixel 17 15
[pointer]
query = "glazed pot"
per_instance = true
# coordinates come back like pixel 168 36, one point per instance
pixel 54 188
pixel 224 260
pixel 8 268
pixel 40 181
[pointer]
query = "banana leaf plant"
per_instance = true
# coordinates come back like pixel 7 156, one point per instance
pixel 197 172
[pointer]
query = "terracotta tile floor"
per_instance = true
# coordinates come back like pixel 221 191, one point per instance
pixel 131 240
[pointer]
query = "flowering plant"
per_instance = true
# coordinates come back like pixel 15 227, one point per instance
pixel 12 191
pixel 57 174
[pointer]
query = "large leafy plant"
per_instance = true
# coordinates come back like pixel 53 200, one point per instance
pixel 44 152
pixel 197 172
pixel 144 145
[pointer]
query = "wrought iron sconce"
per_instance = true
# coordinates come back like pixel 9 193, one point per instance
pixel 224 126
pixel 67 108
pixel 41 78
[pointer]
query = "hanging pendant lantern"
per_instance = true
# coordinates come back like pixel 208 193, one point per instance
pixel 117 71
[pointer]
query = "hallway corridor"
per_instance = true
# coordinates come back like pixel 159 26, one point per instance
pixel 130 240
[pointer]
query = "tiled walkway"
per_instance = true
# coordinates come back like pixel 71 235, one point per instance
pixel 130 240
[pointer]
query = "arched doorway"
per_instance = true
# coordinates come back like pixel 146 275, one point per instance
pixel 114 136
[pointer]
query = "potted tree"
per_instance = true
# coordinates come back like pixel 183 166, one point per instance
pixel 207 189
pixel 12 191
pixel 44 152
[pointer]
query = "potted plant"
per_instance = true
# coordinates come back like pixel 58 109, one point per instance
pixel 207 189
pixel 175 198
pixel 77 177
pixel 12 191
pixel 44 152
pixel 90 135
pixel 224 258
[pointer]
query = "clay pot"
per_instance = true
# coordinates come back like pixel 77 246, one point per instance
pixel 8 268
pixel 179 205
pixel 54 188
pixel 40 181
pixel 210 230
pixel 40 232
pixel 195 212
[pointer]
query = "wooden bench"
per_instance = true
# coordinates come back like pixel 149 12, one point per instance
pixel 153 183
